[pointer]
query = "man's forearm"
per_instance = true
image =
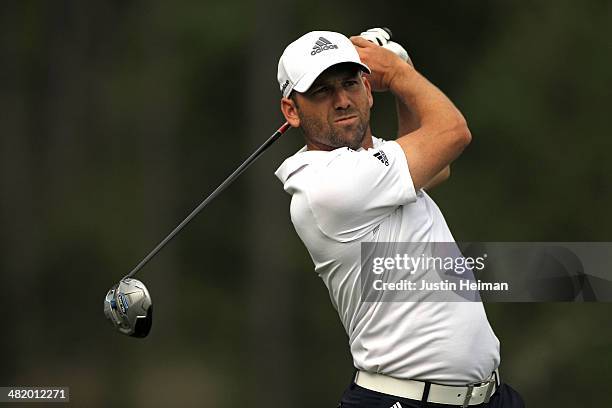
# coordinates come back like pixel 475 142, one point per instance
pixel 441 132
pixel 407 120
pixel 422 102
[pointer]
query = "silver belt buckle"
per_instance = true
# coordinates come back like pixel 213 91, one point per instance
pixel 492 381
pixel 470 390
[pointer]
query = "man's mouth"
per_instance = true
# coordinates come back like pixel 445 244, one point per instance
pixel 345 119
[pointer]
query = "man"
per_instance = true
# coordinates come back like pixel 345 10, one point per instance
pixel 349 187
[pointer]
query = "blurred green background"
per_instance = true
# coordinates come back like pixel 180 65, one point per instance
pixel 118 117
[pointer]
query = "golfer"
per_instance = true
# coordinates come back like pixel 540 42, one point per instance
pixel 349 187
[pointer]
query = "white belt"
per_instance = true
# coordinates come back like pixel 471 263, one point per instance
pixel 471 394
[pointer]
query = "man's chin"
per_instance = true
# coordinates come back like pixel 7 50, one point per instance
pixel 354 141
pixel 339 139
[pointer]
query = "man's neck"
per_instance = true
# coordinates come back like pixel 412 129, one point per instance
pixel 366 144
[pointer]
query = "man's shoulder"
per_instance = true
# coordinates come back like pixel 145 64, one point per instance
pixel 331 166
pixel 311 159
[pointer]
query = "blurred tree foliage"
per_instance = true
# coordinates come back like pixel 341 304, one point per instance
pixel 119 116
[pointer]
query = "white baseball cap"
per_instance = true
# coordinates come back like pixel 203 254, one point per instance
pixel 307 57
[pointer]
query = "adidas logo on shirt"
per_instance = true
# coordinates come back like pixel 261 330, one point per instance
pixel 380 155
pixel 322 44
pixel 396 405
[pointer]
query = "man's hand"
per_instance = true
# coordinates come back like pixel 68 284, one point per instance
pixel 383 63
pixel 382 37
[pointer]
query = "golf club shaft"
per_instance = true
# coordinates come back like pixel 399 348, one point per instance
pixel 208 199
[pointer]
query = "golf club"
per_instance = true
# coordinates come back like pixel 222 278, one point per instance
pixel 128 303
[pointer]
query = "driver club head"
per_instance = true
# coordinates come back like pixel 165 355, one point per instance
pixel 129 308
pixel 128 304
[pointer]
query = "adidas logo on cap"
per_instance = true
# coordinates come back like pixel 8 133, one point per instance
pixel 285 85
pixel 322 44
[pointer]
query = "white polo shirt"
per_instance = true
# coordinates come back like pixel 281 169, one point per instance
pixel 344 197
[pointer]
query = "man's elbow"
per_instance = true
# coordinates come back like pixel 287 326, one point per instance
pixel 462 134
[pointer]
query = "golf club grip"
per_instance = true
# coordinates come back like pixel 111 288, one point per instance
pixel 208 199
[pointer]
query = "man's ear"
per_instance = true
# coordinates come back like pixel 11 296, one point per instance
pixel 368 87
pixel 289 110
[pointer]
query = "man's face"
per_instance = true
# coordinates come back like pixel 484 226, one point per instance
pixel 335 111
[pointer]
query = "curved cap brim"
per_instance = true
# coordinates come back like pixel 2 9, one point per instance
pixel 304 83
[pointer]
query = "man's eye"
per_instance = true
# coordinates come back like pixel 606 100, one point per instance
pixel 350 83
pixel 320 90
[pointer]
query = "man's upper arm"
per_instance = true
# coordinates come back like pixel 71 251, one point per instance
pixel 429 150
pixel 356 190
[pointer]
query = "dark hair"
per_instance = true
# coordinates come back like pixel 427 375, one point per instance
pixel 293 98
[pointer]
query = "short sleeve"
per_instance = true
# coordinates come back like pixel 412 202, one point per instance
pixel 352 193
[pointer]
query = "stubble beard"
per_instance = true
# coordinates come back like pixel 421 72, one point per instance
pixel 334 136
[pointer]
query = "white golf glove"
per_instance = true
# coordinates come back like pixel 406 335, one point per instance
pixel 377 35
pixel 382 37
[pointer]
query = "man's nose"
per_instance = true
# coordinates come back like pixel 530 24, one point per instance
pixel 341 99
